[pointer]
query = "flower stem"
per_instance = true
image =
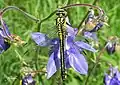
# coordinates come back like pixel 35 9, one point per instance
pixel 18 9
pixel 94 66
pixel 17 78
pixel 83 5
pixel 36 65
pixel 39 24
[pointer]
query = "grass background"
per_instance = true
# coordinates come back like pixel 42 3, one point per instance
pixel 15 57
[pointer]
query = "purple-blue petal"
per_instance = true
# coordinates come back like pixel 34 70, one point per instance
pixel 113 78
pixel 6 29
pixel 107 79
pixel 117 75
pixel 6 45
pixel 91 35
pixel 41 39
pixel 72 31
pixel 1 40
pixel 113 70
pixel 114 81
pixel 55 41
pixel 67 64
pixel 3 45
pixel 85 46
pixel 51 66
pixel 57 58
pixel 54 46
pixel 77 61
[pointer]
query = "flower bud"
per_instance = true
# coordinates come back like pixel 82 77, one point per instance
pixel 110 48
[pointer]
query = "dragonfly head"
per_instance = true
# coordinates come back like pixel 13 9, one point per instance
pixel 61 13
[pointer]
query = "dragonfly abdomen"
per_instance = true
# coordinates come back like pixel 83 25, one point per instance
pixel 61 34
pixel 60 22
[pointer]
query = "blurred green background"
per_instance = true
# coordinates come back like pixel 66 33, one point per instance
pixel 17 57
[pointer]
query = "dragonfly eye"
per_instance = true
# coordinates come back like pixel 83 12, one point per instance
pixel 61 12
pixel 57 13
pixel 64 14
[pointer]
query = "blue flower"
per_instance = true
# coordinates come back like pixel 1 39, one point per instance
pixel 90 35
pixel 28 80
pixel 4 36
pixel 92 26
pixel 113 78
pixel 73 52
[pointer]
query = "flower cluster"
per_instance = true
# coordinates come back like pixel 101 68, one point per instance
pixel 113 78
pixel 73 51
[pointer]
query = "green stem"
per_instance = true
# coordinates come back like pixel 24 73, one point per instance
pixel 83 5
pixel 36 65
pixel 39 24
pixel 18 9
pixel 97 61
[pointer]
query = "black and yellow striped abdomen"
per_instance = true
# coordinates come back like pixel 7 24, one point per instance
pixel 61 26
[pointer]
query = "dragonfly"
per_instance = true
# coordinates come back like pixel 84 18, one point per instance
pixel 61 27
